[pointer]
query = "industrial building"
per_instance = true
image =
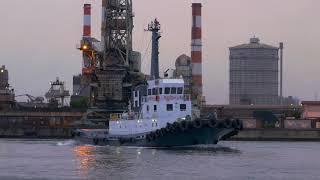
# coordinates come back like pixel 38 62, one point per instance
pixel 6 94
pixel 254 74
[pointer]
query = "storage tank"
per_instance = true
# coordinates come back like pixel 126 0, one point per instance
pixel 184 69
pixel 254 74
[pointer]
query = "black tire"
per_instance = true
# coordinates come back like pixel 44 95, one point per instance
pixel 168 129
pixel 227 123
pixel 176 125
pixel 163 131
pixel 241 124
pixel 212 123
pixel 197 124
pixel 184 126
pixel 95 141
pixel 121 140
pixel 236 124
pixel 73 134
pixel 158 133
pixel 220 124
pixel 152 136
pixel 148 138
pixel 171 128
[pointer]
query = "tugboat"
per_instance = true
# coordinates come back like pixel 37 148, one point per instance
pixel 158 112
pixel 160 116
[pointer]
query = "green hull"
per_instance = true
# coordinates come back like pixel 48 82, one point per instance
pixel 192 137
pixel 183 134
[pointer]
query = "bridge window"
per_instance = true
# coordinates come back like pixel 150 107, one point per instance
pixel 173 90
pixel 180 90
pixel 154 91
pixel 148 108
pixel 169 107
pixel 149 92
pixel 183 107
pixel 160 90
pixel 155 108
pixel 167 90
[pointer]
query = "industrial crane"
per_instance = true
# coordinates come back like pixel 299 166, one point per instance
pixel 32 99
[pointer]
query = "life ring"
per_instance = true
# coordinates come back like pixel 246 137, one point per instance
pixel 197 124
pixel 95 141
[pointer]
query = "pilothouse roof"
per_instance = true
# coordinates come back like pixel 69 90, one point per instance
pixel 166 81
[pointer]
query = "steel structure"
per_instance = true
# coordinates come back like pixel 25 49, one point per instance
pixel 57 92
pixel 116 34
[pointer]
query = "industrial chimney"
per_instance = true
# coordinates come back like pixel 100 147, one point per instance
pixel 87 20
pixel 196 53
pixel 281 72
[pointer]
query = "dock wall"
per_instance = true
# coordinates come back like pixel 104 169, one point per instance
pixel 38 124
pixel 278 135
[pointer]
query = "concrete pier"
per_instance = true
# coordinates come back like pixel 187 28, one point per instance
pixel 278 135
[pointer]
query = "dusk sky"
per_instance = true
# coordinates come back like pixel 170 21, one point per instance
pixel 39 38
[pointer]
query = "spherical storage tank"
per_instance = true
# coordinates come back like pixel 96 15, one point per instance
pixel 254 74
pixel 184 69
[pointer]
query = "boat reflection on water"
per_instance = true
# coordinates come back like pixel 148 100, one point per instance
pixel 124 161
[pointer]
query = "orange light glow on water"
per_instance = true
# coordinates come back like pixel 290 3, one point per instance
pixel 85 158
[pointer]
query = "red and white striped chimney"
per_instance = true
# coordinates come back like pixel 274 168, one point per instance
pixel 196 52
pixel 87 20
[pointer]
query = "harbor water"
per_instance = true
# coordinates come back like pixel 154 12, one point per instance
pixel 65 159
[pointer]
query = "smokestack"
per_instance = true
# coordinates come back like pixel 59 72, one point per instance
pixel 87 20
pixel 196 52
pixel 281 72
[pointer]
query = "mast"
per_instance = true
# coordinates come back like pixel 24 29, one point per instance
pixel 155 27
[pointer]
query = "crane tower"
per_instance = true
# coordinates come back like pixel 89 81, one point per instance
pixel 116 40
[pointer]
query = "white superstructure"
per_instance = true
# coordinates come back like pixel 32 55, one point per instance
pixel 162 101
